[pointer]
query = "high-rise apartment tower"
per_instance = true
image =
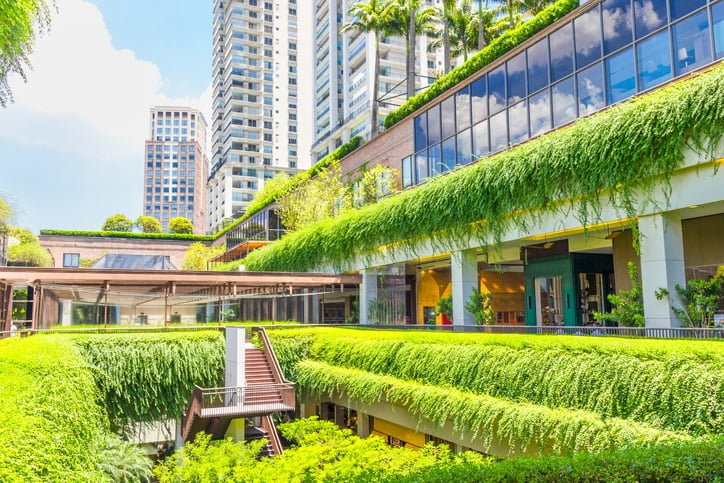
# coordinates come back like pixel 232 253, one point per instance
pixel 176 166
pixel 262 109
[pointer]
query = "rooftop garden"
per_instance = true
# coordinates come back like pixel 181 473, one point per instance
pixel 129 234
pixel 622 157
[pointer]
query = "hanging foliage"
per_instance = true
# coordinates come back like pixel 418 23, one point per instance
pixel 623 157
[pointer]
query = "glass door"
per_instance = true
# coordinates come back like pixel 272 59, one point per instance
pixel 548 300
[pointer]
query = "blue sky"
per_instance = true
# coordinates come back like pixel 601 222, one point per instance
pixel 72 144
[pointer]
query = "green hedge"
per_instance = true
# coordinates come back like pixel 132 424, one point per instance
pixel 149 377
pixel 488 54
pixel 51 427
pixel 128 234
pixel 624 156
pixel 257 205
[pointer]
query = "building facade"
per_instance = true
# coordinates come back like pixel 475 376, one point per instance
pixel 176 166
pixel 343 76
pixel 261 68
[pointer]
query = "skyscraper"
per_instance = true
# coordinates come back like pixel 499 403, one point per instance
pixel 176 166
pixel 344 69
pixel 261 119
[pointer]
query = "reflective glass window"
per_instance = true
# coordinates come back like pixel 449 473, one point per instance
pixel 496 89
pixel 481 145
pixel 540 113
pixel 679 8
pixel 518 122
pixel 590 90
pixel 620 76
pixel 617 24
pixel 420 131
pixel 561 52
pixel 691 43
pixel 449 153
pixel 479 99
pixel 462 107
pixel 538 66
pixel 499 132
pixel 407 172
pixel 717 15
pixel 516 78
pixel 433 125
pixel 649 15
pixel 654 61
pixel 434 159
pixel 588 37
pixel 564 102
pixel 465 147
pixel 421 167
pixel 447 116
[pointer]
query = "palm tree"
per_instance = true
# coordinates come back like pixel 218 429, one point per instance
pixel 484 16
pixel 409 21
pixel 447 8
pixel 371 17
pixel 462 30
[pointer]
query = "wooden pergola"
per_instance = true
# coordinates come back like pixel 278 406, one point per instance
pixel 159 287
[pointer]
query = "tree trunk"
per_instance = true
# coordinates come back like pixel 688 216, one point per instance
pixel 375 89
pixel 481 31
pixel 411 55
pixel 446 44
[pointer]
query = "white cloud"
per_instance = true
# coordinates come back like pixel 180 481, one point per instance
pixel 83 95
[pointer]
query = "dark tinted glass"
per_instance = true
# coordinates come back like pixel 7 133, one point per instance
pixel 679 8
pixel 564 102
pixel 433 124
pixel 654 61
pixel 649 15
pixel 588 37
pixel 499 132
pixel 496 89
pixel 717 15
pixel 692 47
pixel 590 90
pixel 449 153
pixel 540 113
pixel 518 122
pixel 420 131
pixel 617 24
pixel 538 66
pixel 516 78
pixel 447 116
pixel 479 99
pixel 561 43
pixel 462 107
pixel 481 145
pixel 465 147
pixel 620 76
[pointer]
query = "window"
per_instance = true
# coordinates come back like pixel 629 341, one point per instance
pixel 496 90
pixel 590 90
pixel 654 61
pixel 561 42
pixel 499 131
pixel 717 15
pixel 465 147
pixel 649 16
pixel 518 122
pixel 540 113
pixel 447 116
pixel 516 78
pixel 462 107
pixel 617 23
pixel 407 174
pixel 564 102
pixel 71 259
pixel 479 99
pixel 538 66
pixel 620 80
pixel 679 8
pixel 448 154
pixel 481 145
pixel 433 124
pixel 691 43
pixel 421 167
pixel 588 38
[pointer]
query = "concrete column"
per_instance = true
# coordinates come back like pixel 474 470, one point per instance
pixel 235 345
pixel 662 266
pixel 66 313
pixel 363 424
pixel 367 293
pixel 464 278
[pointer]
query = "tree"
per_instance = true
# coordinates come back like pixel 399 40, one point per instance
pixel 6 212
pixel 180 225
pixel 699 299
pixel 198 256
pixel 372 17
pixel 148 224
pixel 409 21
pixel 480 305
pixel 20 21
pixel 118 223
pixel 445 13
pixel 444 306
pixel 629 304
pixel 123 461
pixel 28 251
pixel 374 184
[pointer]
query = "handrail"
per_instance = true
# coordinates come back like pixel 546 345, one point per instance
pixel 194 409
pixel 267 424
pixel 270 355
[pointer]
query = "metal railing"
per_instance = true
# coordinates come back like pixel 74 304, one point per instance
pixel 252 398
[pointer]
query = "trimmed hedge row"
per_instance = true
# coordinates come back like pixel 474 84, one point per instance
pixel 488 54
pixel 675 385
pixel 257 205
pixel 624 157
pixel 51 427
pixel 523 428
pixel 149 377
pixel 129 234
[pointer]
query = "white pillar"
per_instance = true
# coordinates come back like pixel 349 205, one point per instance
pixel 464 275
pixel 66 313
pixel 367 293
pixel 662 266
pixel 235 345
